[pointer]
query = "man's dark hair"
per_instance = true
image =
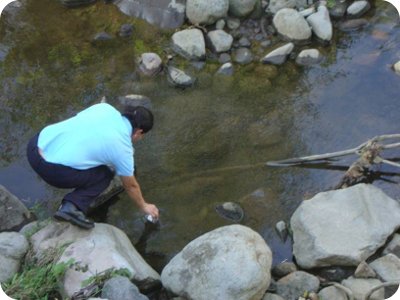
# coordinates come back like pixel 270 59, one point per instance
pixel 140 117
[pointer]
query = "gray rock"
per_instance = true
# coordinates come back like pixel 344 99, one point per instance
pixel 109 246
pixel 150 64
pixel 179 78
pixel 338 10
pixel 308 57
pixel 282 230
pixel 131 100
pixel 189 43
pixel 306 12
pixel 364 271
pixel 270 296
pixel 332 293
pixel 206 12
pixel 220 41
pixel 102 36
pixel 276 5
pixel 163 13
pixel 220 24
pixel 358 8
pixel 13 247
pixel 230 210
pixel 283 269
pixel 76 3
pixel 360 288
pixel 244 42
pixel 279 55
pixel 243 56
pixel 241 8
pixel 121 288
pixel 393 246
pixel 396 67
pixel 226 69
pixel 291 25
pixel 292 286
pixel 126 30
pixel 13 213
pixel 321 24
pixel 112 190
pixel 235 253
pixel 224 58
pixel 233 23
pixel 371 217
pixel 387 267
pixel 352 24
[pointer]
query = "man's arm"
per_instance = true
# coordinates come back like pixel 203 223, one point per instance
pixel 132 187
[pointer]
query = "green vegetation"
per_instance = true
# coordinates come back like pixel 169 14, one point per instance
pixel 40 277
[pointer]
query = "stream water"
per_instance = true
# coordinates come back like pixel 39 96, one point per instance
pixel 210 141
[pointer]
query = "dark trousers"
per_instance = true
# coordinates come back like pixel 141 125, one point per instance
pixel 87 184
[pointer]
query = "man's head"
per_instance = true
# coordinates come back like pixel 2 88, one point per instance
pixel 141 120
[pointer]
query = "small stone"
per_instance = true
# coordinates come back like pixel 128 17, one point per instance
pixel 265 43
pixel 396 68
pixel 283 269
pixel 102 36
pixel 179 78
pixel 243 56
pixel 230 210
pixel 332 292
pixel 282 230
pixel 233 23
pixel 279 55
pixel 244 42
pixel 308 57
pixel 220 24
pixel 224 58
pixel 364 271
pixel 126 30
pixel 358 8
pixel 150 64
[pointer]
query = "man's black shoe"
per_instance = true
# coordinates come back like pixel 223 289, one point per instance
pixel 70 213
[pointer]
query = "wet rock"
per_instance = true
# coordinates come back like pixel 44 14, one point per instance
pixel 76 3
pixel 189 43
pixel 364 271
pixel 126 31
pixel 102 36
pixel 13 213
pixel 244 42
pixel 283 269
pixel 371 217
pixel 282 230
pixel 119 287
pixel 387 267
pixel 279 55
pixel 13 247
pixel 321 24
pixel 220 41
pixel 358 8
pixel 309 57
pixel 396 67
pixel 224 58
pixel 241 8
pixel 231 211
pixel 243 56
pixel 292 286
pixel 163 13
pixel 332 293
pixel 226 69
pixel 235 253
pixel 276 5
pixel 233 23
pixel 394 245
pixel 291 25
pixel 206 12
pixel 131 100
pixel 338 10
pixel 150 64
pixel 179 78
pixel 112 190
pixel 360 288
pixel 352 24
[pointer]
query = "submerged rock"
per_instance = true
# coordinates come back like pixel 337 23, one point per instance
pixel 231 211
pixel 226 69
pixel 352 24
pixel 243 56
pixel 308 57
pixel 179 78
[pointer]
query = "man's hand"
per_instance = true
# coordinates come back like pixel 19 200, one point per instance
pixel 151 209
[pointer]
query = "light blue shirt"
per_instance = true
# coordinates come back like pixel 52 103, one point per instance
pixel 98 135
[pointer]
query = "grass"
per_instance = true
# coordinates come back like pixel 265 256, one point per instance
pixel 40 278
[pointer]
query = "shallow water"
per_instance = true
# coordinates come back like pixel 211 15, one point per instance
pixel 209 142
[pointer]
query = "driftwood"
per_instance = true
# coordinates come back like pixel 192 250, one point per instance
pixel 368 152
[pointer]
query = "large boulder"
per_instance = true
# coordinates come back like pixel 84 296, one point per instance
pixel 343 227
pixel 189 43
pixel 13 213
pixel 163 13
pixel 99 249
pixel 291 25
pixel 231 262
pixel 202 12
pixel 13 247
